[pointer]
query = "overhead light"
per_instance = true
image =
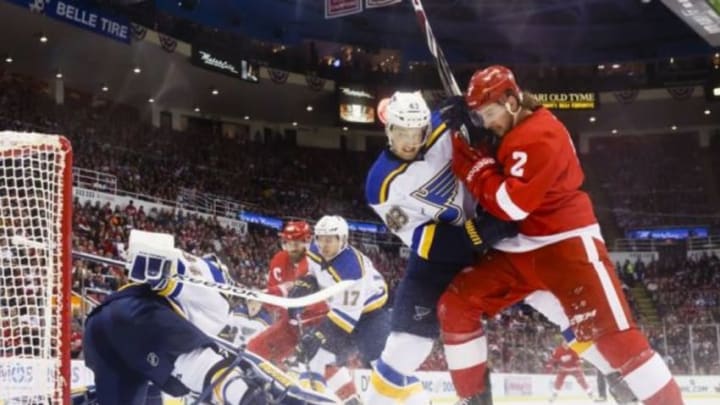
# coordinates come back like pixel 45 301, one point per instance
pixel 197 109
pixel 215 92
pixel 58 75
pixel 674 127
pixel 137 70
pixel 601 67
pixel 43 38
pixel 614 131
pixel 616 66
pixel 707 112
pixel 672 60
pixel 309 107
pixel 294 123
pixel 105 88
pixel 247 117
pixel 716 91
pixel 592 119
pixel 151 100
pixel 345 128
pixel 8 59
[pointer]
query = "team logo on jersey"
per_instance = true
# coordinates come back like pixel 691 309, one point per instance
pixel 421 312
pixel 153 359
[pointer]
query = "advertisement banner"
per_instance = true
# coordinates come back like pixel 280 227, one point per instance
pixel 83 16
pixel 568 100
pixel 226 64
pixel 356 105
pixel 380 3
pixel 339 8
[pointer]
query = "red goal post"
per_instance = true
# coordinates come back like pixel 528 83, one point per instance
pixel 35 277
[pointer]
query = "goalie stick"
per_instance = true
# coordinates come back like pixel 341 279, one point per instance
pixel 234 290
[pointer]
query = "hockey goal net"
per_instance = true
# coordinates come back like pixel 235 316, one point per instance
pixel 35 268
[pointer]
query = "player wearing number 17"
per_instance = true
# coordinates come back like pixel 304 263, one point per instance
pixel 536 181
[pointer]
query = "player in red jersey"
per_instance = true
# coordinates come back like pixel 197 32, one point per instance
pixel 534 178
pixel 278 341
pixel 567 362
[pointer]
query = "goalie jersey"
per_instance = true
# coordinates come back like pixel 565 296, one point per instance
pixel 369 292
pixel 413 197
pixel 204 308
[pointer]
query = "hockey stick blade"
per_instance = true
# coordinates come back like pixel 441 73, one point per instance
pixel 239 291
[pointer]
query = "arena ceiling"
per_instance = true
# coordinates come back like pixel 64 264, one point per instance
pixel 470 31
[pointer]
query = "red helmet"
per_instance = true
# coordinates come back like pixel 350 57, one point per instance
pixel 296 230
pixel 489 85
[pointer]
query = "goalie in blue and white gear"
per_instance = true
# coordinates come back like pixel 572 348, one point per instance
pixel 357 318
pixel 413 190
pixel 162 330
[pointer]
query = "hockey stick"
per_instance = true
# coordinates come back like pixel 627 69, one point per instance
pixel 238 291
pixel 234 290
pixel 446 76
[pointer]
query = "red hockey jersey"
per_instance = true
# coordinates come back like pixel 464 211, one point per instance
pixel 283 272
pixel 565 359
pixel 540 183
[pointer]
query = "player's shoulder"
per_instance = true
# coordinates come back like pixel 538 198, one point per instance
pixel 438 128
pixel 387 167
pixel 280 258
pixel 347 265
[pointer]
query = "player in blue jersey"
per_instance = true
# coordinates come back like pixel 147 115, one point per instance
pixel 357 318
pixel 162 330
pixel 412 188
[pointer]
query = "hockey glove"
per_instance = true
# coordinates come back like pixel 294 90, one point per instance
pixel 301 287
pixel 454 112
pixel 472 165
pixel 485 231
pixel 309 345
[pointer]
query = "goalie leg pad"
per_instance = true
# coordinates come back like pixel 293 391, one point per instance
pixel 204 369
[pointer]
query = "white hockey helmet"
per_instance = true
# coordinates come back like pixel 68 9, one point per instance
pixel 333 225
pixel 405 114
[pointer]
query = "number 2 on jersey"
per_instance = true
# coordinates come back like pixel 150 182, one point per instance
pixel 518 169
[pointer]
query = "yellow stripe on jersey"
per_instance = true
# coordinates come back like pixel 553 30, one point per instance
pixel 435 135
pixel 390 390
pixel 129 284
pixel 579 347
pixel 218 389
pixel 177 308
pixel 169 288
pixel 388 179
pixel 340 322
pixel 426 240
pixel 333 272
pixel 376 303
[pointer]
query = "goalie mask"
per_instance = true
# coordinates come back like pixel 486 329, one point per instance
pixel 407 123
pixel 331 235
